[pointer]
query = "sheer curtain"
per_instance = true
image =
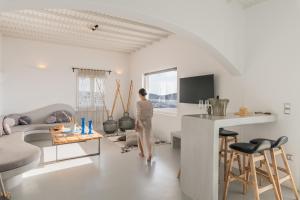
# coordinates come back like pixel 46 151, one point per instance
pixel 90 96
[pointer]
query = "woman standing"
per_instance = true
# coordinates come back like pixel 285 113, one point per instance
pixel 143 124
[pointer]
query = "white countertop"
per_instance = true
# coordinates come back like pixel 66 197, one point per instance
pixel 235 120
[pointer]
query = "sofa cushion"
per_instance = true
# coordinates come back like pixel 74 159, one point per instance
pixel 51 119
pixel 14 117
pixel 7 123
pixel 16 153
pixel 39 116
pixel 1 125
pixel 6 129
pixel 61 116
pixel 24 120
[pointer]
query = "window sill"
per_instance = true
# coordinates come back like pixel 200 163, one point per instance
pixel 172 112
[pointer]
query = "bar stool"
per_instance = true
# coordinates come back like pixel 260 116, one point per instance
pixel 227 137
pixel 254 153
pixel 277 148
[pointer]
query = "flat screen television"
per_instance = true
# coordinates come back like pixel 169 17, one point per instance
pixel 193 89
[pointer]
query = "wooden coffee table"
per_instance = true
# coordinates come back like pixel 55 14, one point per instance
pixel 60 138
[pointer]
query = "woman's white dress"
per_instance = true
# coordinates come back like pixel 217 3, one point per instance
pixel 144 117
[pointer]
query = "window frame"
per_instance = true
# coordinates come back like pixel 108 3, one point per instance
pixel 164 111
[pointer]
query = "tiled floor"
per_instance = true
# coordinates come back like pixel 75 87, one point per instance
pixel 113 176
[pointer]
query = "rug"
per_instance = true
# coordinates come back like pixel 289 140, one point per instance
pixel 122 144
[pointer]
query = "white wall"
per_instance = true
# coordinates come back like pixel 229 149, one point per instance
pixel 219 23
pixel 190 60
pixel 1 87
pixel 272 73
pixel 27 87
pixel 270 79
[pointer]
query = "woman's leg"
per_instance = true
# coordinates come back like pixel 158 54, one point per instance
pixel 140 140
pixel 148 143
pixel 141 146
pixel 147 135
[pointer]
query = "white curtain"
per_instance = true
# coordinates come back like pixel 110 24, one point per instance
pixel 90 96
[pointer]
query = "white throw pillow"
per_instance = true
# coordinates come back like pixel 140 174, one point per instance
pixel 131 138
pixel 6 125
pixel 10 121
pixel 15 117
pixel 1 126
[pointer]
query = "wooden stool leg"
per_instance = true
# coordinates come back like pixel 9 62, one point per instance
pixel 271 176
pixel 275 169
pixel 248 173
pixel 240 164
pixel 283 155
pixel 260 178
pixel 239 157
pixel 225 157
pixel 244 171
pixel 221 150
pixel 2 186
pixel 254 181
pixel 227 178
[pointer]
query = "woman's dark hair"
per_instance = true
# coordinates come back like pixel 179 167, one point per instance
pixel 142 92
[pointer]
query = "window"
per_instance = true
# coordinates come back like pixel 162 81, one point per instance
pixel 162 88
pixel 90 92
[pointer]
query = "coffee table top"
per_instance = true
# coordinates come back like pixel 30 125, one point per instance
pixel 58 137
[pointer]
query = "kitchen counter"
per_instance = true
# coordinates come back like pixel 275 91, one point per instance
pixel 200 151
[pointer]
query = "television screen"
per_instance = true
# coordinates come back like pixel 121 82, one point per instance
pixel 193 89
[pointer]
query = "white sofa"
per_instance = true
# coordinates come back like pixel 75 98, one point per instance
pixel 16 155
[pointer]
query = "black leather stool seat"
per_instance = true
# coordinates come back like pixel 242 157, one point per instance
pixel 274 143
pixel 223 132
pixel 258 140
pixel 251 148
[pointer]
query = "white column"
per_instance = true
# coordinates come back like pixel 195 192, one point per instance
pixel 199 158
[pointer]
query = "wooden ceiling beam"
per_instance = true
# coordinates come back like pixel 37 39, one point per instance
pixel 126 21
pixel 21 29
pixel 103 26
pixel 57 25
pixel 117 22
pixel 73 27
pixel 47 15
pixel 35 37
pixel 47 29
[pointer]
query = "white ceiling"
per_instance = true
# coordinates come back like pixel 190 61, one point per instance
pixel 73 27
pixel 249 3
